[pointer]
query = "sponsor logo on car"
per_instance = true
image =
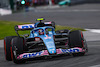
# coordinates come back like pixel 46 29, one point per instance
pixel 47 23
pixel 70 50
pixel 45 52
pixel 32 54
pixel 47 37
pixel 26 26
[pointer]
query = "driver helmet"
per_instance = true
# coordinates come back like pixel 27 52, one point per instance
pixel 41 32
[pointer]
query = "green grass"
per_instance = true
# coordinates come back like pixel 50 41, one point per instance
pixel 7 28
pixel 58 27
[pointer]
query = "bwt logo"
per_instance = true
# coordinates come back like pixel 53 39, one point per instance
pixel 70 50
pixel 27 26
pixel 32 55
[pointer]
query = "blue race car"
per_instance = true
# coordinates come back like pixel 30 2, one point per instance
pixel 43 41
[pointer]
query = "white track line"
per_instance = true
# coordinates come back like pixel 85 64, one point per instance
pixel 74 10
pixel 95 66
pixel 94 30
pixel 1 43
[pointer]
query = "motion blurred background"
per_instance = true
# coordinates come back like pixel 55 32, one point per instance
pixel 11 6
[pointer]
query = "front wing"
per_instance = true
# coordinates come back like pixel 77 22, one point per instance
pixel 45 53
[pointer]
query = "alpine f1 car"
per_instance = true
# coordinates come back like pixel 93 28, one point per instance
pixel 43 41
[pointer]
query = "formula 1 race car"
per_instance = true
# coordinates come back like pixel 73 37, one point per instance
pixel 43 41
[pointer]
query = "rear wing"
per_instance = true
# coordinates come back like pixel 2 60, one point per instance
pixel 50 24
pixel 32 26
pixel 24 27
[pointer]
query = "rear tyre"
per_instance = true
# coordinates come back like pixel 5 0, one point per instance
pixel 7 47
pixel 76 40
pixel 17 49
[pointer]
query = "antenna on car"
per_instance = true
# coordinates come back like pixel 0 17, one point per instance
pixel 40 19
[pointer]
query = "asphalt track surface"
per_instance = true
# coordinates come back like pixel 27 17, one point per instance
pixel 85 16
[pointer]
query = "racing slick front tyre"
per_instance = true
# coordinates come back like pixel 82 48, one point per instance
pixel 17 49
pixel 7 47
pixel 76 40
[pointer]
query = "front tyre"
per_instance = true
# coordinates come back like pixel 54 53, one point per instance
pixel 76 39
pixel 17 49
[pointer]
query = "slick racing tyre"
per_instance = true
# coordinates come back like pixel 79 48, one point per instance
pixel 7 47
pixel 76 40
pixel 17 49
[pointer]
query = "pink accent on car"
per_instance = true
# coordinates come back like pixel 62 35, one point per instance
pixel 20 26
pixel 59 51
pixel 45 52
pixel 66 43
pixel 21 56
pixel 81 49
pixel 47 37
pixel 47 23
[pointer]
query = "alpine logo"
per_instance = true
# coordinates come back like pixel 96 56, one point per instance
pixel 70 50
pixel 32 55
pixel 26 26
